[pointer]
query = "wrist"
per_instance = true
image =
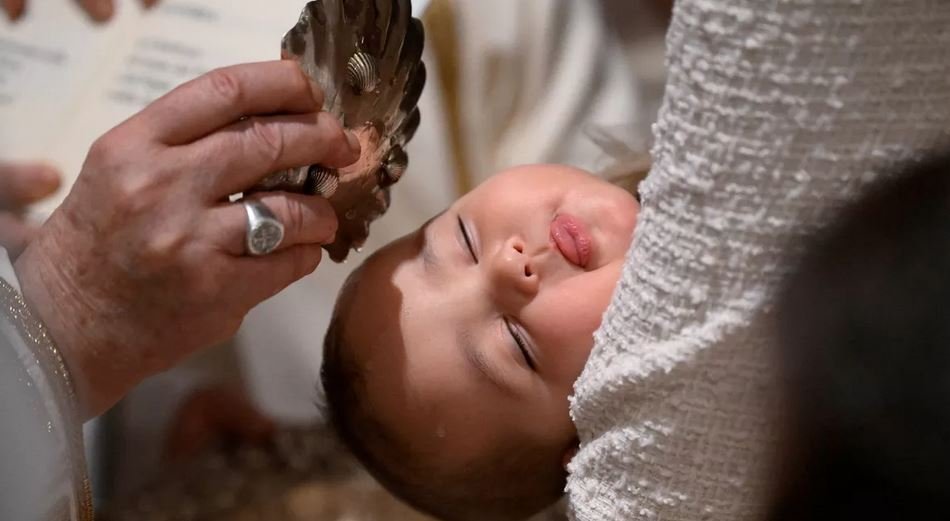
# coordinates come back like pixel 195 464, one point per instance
pixel 47 282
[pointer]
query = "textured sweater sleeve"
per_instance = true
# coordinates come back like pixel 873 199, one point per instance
pixel 776 113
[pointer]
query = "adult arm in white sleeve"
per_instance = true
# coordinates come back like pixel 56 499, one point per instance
pixel 775 114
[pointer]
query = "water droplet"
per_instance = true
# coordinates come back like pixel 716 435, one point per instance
pixel 440 431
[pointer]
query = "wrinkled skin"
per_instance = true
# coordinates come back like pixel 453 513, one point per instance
pixel 144 262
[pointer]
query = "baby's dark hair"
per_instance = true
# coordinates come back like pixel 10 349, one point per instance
pixel 505 486
pixel 864 338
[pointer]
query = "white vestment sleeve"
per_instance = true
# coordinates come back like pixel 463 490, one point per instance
pixel 6 270
pixel 42 465
pixel 775 114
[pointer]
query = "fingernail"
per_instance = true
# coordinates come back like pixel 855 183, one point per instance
pixel 49 176
pixel 44 181
pixel 101 10
pixel 316 90
pixel 354 142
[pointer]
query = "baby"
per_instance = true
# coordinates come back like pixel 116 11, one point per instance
pixel 453 350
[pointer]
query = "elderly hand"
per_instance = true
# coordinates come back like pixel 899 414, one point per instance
pixel 22 184
pixel 144 263
pixel 98 10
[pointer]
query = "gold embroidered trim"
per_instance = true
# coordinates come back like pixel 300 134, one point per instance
pixel 51 363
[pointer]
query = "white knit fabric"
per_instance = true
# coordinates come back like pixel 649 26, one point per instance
pixel 777 111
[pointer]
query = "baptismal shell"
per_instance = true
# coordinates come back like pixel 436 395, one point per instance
pixel 367 57
pixel 322 181
pixel 362 72
pixel 394 166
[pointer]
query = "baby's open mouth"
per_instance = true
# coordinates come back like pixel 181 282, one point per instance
pixel 572 239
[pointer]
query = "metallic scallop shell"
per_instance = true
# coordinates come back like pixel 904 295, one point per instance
pixel 367 56
pixel 362 72
pixel 394 166
pixel 322 181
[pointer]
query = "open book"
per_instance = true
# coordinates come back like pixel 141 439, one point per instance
pixel 64 81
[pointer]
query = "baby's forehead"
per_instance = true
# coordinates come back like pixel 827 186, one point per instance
pixel 369 303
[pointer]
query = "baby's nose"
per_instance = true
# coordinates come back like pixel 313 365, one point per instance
pixel 514 275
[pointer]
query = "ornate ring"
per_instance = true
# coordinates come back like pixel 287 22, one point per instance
pixel 264 231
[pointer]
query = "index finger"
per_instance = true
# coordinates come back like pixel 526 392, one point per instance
pixel 98 10
pixel 25 183
pixel 224 96
pixel 14 8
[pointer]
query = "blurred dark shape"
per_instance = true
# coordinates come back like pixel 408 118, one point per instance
pixel 865 342
pixel 298 474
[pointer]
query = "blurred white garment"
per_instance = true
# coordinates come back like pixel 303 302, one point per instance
pixel 539 79
pixel 509 83
pixel 419 7
pixel 42 470
pixel 776 114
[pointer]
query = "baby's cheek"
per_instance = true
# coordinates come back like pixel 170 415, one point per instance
pixel 571 318
pixel 572 311
pixel 578 303
pixel 566 360
pixel 565 327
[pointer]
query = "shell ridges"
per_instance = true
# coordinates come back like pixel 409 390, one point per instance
pixel 362 72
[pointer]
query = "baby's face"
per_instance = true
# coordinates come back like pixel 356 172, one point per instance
pixel 472 330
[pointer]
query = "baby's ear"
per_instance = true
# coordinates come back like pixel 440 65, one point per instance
pixel 569 453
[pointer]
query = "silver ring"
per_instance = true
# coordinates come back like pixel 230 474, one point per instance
pixel 264 231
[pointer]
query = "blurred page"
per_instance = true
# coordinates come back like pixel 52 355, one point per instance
pixel 119 70
pixel 47 62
